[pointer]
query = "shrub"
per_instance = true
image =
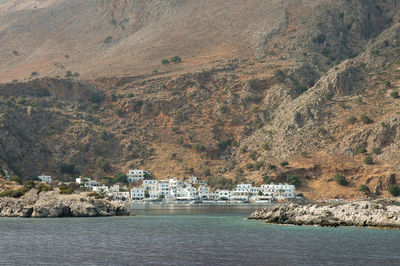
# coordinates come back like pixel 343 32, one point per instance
pixel 223 144
pixel 368 160
pixel 95 195
pixel 364 188
pixel 352 120
pixel 361 150
pixel 394 94
pixel 198 147
pixel 266 178
pixel 244 149
pixel 75 75
pixel 329 95
pixel 365 119
pixel 376 150
pixel 223 109
pixel 15 52
pixel 394 190
pixel 253 155
pixel 258 165
pixel 341 180
pixel 250 166
pixel 129 95
pixel 28 185
pixel 265 146
pixel 68 74
pixel 97 97
pixel 220 182
pixel 176 59
pixel 64 189
pixel 108 39
pixel 119 112
pixel 164 61
pixel 294 180
pixel 284 163
pixel 44 187
pixel 120 178
pixel 12 193
pixel 16 179
pixel 280 75
pixel 34 74
pixel 271 167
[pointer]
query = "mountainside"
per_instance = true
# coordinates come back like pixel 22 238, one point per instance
pixel 313 83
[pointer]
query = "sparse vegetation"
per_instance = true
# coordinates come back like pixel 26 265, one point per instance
pixel 394 94
pixel 329 95
pixel 108 39
pixel 265 146
pixel 376 150
pixel 119 112
pixel 164 61
pixel 34 74
pixel 198 147
pixel 280 75
pixel 352 120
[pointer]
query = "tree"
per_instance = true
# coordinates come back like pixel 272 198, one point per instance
pixel 120 178
pixel 341 180
pixel 294 180
pixel 394 190
pixel 176 59
pixel 146 194
pixel 260 193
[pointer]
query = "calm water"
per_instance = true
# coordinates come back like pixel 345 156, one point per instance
pixel 190 236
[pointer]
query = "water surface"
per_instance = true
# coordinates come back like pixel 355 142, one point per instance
pixel 202 235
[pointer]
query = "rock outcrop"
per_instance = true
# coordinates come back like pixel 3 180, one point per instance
pixel 379 213
pixel 52 204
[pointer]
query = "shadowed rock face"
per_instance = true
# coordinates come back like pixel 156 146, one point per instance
pixel 52 204
pixel 363 213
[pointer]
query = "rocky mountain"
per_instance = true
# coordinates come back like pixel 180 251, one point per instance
pixel 260 83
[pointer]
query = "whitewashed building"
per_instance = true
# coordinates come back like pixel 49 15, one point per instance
pixel 135 175
pixel 138 193
pixel 44 178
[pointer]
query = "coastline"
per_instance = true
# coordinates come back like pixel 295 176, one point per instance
pixel 382 213
pixel 52 204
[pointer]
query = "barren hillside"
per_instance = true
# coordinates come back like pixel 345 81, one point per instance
pixel 261 82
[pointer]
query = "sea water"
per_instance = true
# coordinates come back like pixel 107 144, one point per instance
pixel 190 235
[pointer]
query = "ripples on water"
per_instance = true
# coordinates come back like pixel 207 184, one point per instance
pixel 190 236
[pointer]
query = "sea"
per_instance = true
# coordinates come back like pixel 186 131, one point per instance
pixel 190 235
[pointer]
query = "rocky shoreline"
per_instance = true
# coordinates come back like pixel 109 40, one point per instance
pixel 52 204
pixel 377 213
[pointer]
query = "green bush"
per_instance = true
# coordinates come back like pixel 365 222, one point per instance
pixel 34 74
pixel 394 94
pixel 266 178
pixel 376 150
pixel 12 193
pixel 129 95
pixel 294 179
pixel 250 166
pixel 96 195
pixel 394 190
pixel 120 178
pixel 364 188
pixel 108 39
pixel 329 95
pixel 362 150
pixel 44 187
pixel 68 74
pixel 265 146
pixel 352 120
pixel 368 160
pixel 244 149
pixel 198 147
pixel 341 180
pixel 271 167
pixel 176 59
pixel 97 97
pixel 223 144
pixel 119 112
pixel 258 165
pixel 64 189
pixel 284 163
pixel 67 169
pixel 365 119
pixel 28 185
pixel 280 75
pixel 16 179
pixel 164 61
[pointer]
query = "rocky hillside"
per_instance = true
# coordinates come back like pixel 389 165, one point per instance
pixel 311 83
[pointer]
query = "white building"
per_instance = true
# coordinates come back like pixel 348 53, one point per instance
pixel 136 175
pixel 44 178
pixel 204 192
pixel 138 193
pixel 222 194
pixel 278 191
